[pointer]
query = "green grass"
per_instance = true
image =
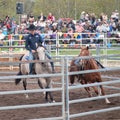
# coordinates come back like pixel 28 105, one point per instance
pixel 74 52
pixel 93 51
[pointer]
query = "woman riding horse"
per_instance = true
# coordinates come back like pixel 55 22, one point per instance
pixel 30 44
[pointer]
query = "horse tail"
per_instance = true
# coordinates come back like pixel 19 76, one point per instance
pixel 17 80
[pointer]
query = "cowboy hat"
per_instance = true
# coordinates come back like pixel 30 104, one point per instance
pixel 32 27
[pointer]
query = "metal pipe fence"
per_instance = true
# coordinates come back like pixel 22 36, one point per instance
pixel 59 41
pixel 89 85
pixel 65 90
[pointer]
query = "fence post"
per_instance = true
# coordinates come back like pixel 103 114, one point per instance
pixel 67 88
pixel 105 50
pixel 98 50
pixel 57 44
pixel 63 88
pixel 10 51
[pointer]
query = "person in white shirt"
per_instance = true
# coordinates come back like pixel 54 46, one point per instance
pixel 2 36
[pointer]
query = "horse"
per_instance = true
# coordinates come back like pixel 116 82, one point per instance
pixel 39 68
pixel 87 64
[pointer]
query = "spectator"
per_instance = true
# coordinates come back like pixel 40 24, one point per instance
pixel 2 36
pixel 82 16
pixel 79 28
pixel 14 27
pixel 118 26
pixel 51 17
pixel 41 17
pixel 4 29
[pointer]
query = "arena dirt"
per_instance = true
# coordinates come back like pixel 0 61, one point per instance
pixel 41 112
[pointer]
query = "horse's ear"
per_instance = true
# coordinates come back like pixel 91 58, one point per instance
pixel 87 47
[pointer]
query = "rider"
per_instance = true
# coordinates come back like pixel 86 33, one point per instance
pixel 30 44
pixel 77 62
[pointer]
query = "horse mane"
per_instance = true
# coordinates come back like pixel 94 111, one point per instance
pixel 91 64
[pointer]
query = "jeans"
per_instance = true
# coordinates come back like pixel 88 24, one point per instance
pixel 30 58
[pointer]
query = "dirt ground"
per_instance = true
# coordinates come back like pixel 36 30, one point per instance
pixel 41 112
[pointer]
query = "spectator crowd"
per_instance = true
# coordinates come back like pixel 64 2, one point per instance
pixel 88 26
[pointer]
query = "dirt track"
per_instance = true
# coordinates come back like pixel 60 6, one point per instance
pixel 36 98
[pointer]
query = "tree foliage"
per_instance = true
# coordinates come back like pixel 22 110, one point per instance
pixel 60 8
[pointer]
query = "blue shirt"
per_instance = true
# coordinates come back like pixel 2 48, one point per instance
pixel 32 40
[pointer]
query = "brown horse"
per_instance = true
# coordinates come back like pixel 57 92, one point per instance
pixel 87 64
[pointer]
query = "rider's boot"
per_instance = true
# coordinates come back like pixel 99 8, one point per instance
pixel 52 65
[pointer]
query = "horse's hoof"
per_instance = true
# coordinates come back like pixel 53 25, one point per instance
pixel 53 101
pixel 44 93
pixel 110 103
pixel 107 101
pixel 26 96
pixel 47 101
pixel 53 72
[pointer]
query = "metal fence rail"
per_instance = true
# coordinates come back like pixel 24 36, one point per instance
pixel 94 112
pixel 68 115
pixel 65 90
pixel 61 103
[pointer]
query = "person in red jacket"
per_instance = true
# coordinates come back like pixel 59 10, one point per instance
pixel 51 17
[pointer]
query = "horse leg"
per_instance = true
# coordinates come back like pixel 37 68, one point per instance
pixel 86 88
pixel 46 96
pixel 103 93
pixel 25 87
pixel 50 95
pixel 45 93
pixel 72 79
pixel 40 85
pixel 48 81
pixel 96 90
pixel 88 91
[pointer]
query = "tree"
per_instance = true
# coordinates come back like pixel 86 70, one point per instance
pixel 60 8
